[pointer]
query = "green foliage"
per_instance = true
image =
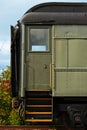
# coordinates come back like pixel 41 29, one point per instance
pixel 6 74
pixel 5 99
pixel 14 118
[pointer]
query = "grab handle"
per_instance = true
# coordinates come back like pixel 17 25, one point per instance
pixel 51 76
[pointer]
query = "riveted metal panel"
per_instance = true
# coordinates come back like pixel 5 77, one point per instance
pixel 38 71
pixel 71 84
pixel 78 53
pixel 61 53
pixel 70 31
pixel 70 60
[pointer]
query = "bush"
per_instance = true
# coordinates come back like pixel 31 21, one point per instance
pixel 5 98
pixel 14 118
pixel 5 102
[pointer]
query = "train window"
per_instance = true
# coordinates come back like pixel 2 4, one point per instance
pixel 39 39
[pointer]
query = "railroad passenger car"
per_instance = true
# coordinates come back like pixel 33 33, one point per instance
pixel 49 64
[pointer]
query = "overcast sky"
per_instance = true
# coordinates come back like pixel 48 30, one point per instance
pixel 10 12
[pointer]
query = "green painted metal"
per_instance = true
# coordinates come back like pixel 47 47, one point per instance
pixel 38 71
pixel 70 60
pixel 22 67
pixel 70 31
pixel 71 84
pixel 61 53
pixel 38 61
pixel 77 53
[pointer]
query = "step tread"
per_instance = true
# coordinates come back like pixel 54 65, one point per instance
pixel 39 98
pixel 39 113
pixel 38 105
pixel 38 120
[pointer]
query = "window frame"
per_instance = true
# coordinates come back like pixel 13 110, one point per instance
pixel 28 28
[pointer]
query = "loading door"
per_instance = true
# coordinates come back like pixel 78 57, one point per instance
pixel 38 58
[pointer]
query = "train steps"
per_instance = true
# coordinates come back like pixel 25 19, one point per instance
pixel 38 107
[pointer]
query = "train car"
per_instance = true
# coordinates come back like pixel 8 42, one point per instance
pixel 49 64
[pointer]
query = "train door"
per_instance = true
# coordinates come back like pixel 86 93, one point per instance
pixel 38 57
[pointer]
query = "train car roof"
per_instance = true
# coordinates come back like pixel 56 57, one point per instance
pixel 56 13
pixel 59 7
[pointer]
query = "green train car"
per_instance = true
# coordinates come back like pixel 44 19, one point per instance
pixel 49 64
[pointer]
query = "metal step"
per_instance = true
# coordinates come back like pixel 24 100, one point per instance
pixel 38 120
pixel 38 93
pixel 38 98
pixel 38 101
pixel 38 107
pixel 39 113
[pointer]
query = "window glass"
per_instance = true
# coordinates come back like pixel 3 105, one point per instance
pixel 39 39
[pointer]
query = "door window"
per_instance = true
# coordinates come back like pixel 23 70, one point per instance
pixel 39 39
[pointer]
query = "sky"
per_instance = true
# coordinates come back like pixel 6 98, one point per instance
pixel 10 12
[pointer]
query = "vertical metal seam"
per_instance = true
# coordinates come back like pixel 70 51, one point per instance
pixel 67 54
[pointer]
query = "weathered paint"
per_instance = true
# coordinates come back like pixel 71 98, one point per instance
pixel 70 60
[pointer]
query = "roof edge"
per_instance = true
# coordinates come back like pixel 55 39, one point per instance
pixel 37 7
